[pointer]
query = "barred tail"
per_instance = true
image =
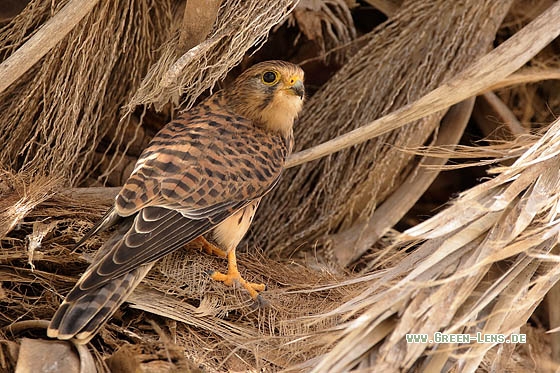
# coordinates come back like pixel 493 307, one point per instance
pixel 83 313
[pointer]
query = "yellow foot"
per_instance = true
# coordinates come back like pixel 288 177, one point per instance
pixel 233 276
pixel 208 247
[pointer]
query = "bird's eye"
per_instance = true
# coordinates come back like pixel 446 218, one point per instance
pixel 270 77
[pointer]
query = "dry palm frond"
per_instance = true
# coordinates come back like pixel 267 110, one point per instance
pixel 398 65
pixel 528 75
pixel 489 71
pixel 19 198
pixel 55 115
pixel 405 196
pixel 326 22
pixel 239 26
pixel 483 266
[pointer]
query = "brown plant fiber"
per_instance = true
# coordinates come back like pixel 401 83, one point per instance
pixel 39 134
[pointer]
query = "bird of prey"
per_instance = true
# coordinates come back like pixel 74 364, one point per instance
pixel 200 178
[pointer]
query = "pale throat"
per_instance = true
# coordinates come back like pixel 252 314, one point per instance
pixel 280 113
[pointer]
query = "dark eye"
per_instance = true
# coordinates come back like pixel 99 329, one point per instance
pixel 270 77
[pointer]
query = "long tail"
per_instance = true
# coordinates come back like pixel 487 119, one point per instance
pixel 121 263
pixel 84 312
pixel 82 317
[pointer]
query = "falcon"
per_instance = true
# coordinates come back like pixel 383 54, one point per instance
pixel 200 178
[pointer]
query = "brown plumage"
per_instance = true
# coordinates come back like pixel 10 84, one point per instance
pixel 202 174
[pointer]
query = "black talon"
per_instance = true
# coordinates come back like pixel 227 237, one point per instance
pixel 262 302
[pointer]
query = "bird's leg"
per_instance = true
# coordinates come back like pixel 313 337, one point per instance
pixel 209 248
pixel 233 276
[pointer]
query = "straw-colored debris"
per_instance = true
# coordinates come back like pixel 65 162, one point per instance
pixel 434 210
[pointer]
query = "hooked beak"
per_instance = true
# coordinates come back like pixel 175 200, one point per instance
pixel 298 88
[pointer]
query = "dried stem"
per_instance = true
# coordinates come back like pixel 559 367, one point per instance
pixel 198 21
pixel 479 77
pixel 43 41
pixel 349 245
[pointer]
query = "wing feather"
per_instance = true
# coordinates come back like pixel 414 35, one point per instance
pixel 109 219
pixel 202 162
pixel 147 240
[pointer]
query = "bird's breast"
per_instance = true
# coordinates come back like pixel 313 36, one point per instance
pixel 229 233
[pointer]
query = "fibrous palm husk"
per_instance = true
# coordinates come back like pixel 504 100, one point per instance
pixel 239 26
pixel 483 265
pixel 327 23
pixel 55 115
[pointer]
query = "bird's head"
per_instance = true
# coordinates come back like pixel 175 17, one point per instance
pixel 270 93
